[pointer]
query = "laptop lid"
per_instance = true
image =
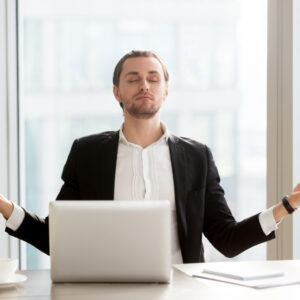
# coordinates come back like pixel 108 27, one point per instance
pixel 110 241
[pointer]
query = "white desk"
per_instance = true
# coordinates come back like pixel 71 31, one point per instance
pixel 39 287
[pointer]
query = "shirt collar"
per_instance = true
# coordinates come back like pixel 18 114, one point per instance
pixel 165 136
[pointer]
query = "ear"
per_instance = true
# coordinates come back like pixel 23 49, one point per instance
pixel 116 92
pixel 166 92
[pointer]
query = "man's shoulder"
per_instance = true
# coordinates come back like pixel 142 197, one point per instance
pixel 98 139
pixel 187 143
pixel 193 150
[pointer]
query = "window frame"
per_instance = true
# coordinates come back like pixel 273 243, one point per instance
pixel 280 119
pixel 9 134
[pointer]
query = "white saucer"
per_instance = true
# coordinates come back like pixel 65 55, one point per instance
pixel 16 278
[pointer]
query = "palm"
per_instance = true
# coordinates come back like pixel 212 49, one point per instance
pixel 297 188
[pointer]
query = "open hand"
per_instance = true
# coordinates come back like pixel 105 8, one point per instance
pixel 294 197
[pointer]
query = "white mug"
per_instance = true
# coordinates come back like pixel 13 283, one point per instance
pixel 8 267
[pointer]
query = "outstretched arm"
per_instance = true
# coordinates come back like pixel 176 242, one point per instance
pixel 33 229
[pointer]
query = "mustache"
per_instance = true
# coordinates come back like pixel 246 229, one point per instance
pixel 139 94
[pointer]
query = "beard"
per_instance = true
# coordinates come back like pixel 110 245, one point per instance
pixel 141 109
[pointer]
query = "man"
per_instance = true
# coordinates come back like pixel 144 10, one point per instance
pixel 144 161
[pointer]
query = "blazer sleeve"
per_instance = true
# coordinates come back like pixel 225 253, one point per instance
pixel 221 229
pixel 35 230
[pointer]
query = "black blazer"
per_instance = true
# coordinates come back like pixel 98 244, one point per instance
pixel 89 174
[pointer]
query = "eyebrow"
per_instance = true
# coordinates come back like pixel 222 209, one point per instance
pixel 137 73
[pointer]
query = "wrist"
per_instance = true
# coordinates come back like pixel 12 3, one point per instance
pixel 279 212
pixel 6 207
pixel 292 201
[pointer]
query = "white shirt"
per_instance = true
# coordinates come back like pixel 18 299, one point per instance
pixel 146 173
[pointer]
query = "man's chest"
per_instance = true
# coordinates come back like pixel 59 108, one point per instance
pixel 144 173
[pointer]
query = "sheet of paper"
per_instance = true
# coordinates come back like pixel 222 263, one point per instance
pixel 243 273
pixel 257 284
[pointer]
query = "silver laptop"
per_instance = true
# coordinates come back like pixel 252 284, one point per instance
pixel 110 241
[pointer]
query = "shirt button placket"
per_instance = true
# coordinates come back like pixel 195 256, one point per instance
pixel 145 158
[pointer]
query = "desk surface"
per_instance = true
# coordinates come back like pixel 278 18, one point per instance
pixel 39 286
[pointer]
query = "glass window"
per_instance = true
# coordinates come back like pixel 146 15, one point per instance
pixel 216 55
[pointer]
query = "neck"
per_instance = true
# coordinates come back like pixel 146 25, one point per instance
pixel 142 132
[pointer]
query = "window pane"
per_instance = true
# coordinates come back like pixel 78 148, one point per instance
pixel 216 55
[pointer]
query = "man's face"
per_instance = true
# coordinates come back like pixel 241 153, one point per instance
pixel 142 87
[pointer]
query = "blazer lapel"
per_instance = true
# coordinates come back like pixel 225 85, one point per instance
pixel 107 167
pixel 178 162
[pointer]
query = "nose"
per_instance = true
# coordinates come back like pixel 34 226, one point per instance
pixel 144 85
